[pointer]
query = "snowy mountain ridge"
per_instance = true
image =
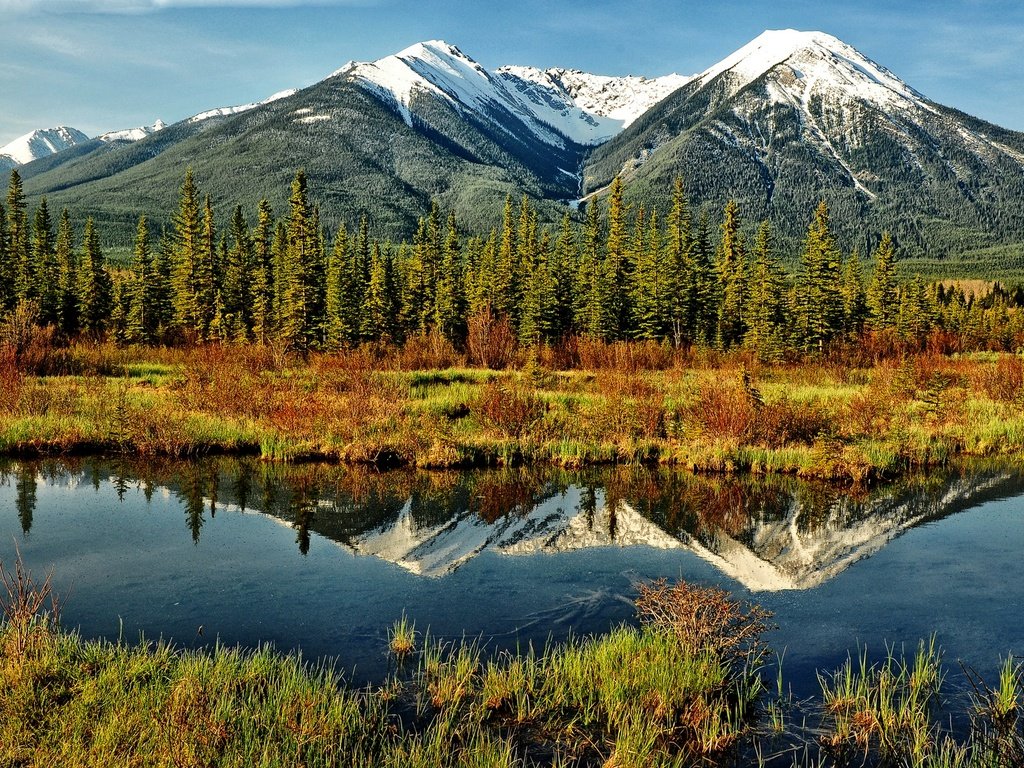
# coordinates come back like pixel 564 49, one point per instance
pixel 39 143
pixel 132 134
pixel 555 104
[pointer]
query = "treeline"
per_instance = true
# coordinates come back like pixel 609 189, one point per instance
pixel 620 274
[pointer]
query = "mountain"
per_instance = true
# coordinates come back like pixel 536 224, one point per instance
pixel 383 137
pixel 37 144
pixel 789 119
pixel 132 134
pixel 795 117
pixel 794 543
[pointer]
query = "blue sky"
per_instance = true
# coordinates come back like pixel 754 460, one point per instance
pixel 101 65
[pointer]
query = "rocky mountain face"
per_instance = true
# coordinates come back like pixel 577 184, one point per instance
pixel 795 117
pixel 787 120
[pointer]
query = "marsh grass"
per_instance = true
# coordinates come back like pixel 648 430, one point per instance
pixel 580 403
pixel 684 689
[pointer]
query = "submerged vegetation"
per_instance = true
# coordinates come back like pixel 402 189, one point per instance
pixel 684 688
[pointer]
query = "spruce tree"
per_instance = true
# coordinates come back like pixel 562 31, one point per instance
pixel 881 294
pixel 504 285
pixel 188 247
pixel 645 291
pixel 855 308
pixel 237 283
pixel 449 302
pixel 679 267
pixel 262 275
pixel 137 292
pixel 67 276
pixel 731 269
pixel 44 265
pixel 18 239
pixel 338 296
pixel 819 301
pixel 94 284
pixel 616 266
pixel 564 267
pixel 379 306
pixel 539 311
pixel 7 270
pixel 703 300
pixel 765 313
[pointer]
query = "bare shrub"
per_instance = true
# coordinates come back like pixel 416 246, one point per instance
pixel 31 609
pixel 490 340
pixel 427 351
pixel 11 380
pixel 1004 381
pixel 704 619
pixel 512 409
pixel 723 409
pixel 784 422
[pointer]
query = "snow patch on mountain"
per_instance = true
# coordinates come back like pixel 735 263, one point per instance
pixel 40 143
pixel 812 58
pixel 132 134
pixel 554 104
pixel 227 111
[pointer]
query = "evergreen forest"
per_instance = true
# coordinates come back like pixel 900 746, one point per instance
pixel 624 273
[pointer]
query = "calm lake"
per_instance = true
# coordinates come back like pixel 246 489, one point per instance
pixel 325 559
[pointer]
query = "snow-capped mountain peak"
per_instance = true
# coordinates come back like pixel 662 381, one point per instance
pixel 555 105
pixel 40 143
pixel 811 58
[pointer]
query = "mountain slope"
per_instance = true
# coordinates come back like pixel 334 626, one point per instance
pixel 794 117
pixel 787 120
pixel 38 144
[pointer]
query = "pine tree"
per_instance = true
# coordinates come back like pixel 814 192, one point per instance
pixel 338 297
pixel 17 239
pixel 262 274
pixel 236 297
pixel 855 308
pixel 819 301
pixel 449 302
pixel 44 265
pixel 137 292
pixel 188 248
pixel 731 269
pixel 679 267
pixel 616 266
pixel 94 284
pixel 7 270
pixel 765 313
pixel 67 276
pixel 881 294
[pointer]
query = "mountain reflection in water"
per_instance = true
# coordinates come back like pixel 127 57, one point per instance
pixel 767 533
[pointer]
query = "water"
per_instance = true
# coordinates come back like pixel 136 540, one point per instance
pixel 325 559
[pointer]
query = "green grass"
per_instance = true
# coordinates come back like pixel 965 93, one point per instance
pixel 829 422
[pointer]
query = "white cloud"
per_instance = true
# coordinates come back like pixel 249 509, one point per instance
pixel 135 6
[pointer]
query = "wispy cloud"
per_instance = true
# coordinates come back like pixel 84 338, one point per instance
pixel 138 6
